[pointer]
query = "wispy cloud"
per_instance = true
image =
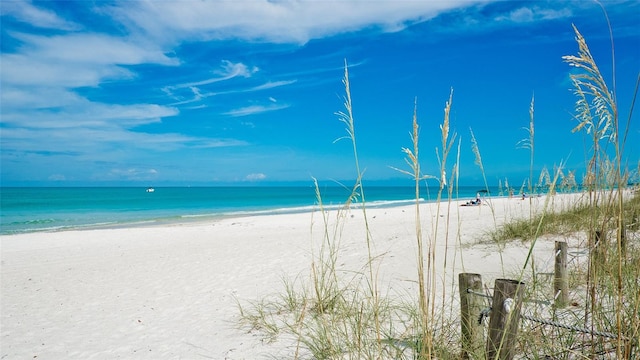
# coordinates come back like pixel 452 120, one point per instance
pixel 24 11
pixel 217 143
pixel 228 70
pixel 104 145
pixel 80 113
pixel 255 177
pixel 489 16
pixel 190 92
pixel 272 84
pixel 276 21
pixel 198 94
pixel 93 48
pixel 75 60
pixel 133 174
pixel 534 13
pixel 255 109
pixel 32 70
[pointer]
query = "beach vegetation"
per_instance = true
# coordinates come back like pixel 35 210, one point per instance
pixel 339 313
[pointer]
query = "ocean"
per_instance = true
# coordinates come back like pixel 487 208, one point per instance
pixel 29 209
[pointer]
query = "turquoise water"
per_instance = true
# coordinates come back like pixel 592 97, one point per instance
pixel 28 209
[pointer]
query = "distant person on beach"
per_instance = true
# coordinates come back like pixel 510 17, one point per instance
pixel 477 201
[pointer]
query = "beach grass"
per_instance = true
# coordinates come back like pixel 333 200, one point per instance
pixel 337 313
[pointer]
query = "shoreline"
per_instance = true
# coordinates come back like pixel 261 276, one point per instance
pixel 189 218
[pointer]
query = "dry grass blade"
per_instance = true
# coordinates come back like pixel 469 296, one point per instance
pixel 476 151
pixel 528 143
pixel 478 157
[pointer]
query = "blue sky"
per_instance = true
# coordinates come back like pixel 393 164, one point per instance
pixel 245 92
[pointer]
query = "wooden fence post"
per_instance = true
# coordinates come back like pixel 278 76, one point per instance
pixel 560 280
pixel 504 320
pixel 470 307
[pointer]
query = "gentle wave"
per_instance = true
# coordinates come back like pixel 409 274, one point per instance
pixel 301 209
pixel 33 222
pixel 56 228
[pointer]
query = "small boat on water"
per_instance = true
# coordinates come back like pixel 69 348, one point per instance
pixel 150 190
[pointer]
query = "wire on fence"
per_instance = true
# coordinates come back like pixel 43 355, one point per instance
pixel 539 302
pixel 469 291
pixel 486 313
pixel 551 259
pixel 570 327
pixel 576 254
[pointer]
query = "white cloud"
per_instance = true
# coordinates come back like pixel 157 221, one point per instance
pixel 521 15
pixel 254 109
pixel 535 13
pixel 197 95
pixel 228 70
pixel 236 69
pixel 92 48
pixel 255 177
pixel 18 98
pixel 288 21
pixel 31 70
pixel 216 143
pixel 77 112
pixel 25 12
pixel 44 72
pixel 272 84
pixel 75 60
pixel 99 145
pixel 550 14
pixel 133 174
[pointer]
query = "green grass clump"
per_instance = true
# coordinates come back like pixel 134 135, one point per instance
pixel 580 217
pixel 543 224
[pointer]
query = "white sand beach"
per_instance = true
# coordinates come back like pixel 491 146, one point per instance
pixel 171 291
